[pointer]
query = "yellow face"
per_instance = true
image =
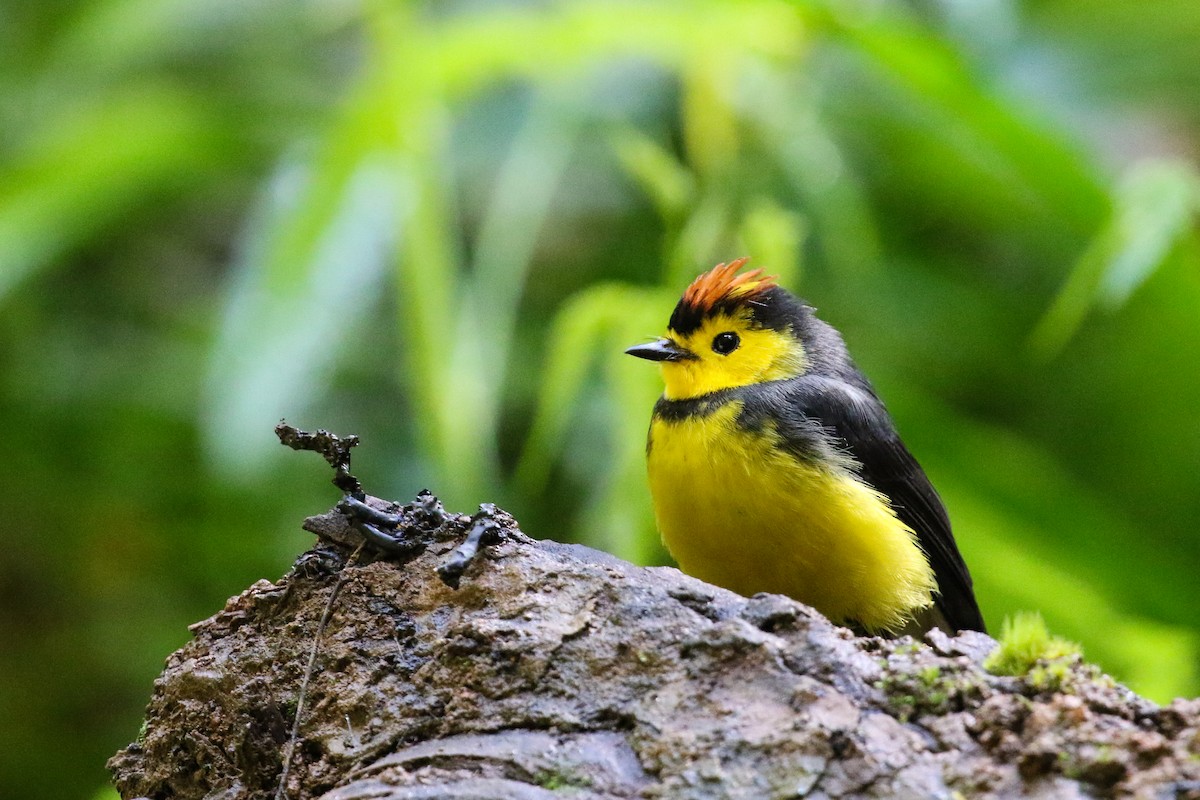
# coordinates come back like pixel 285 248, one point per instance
pixel 730 351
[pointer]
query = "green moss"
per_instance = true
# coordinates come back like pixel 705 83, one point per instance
pixel 1069 767
pixel 647 658
pixel 1049 676
pixel 1027 648
pixel 929 676
pixel 925 691
pixel 558 782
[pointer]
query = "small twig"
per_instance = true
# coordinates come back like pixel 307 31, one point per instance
pixel 485 531
pixel 428 506
pixel 281 792
pixel 359 511
pixel 370 522
pixel 335 449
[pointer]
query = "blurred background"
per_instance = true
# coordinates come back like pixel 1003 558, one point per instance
pixel 437 225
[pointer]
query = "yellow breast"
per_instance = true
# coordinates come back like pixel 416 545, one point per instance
pixel 736 510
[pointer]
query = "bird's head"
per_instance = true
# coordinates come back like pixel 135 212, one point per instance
pixel 729 330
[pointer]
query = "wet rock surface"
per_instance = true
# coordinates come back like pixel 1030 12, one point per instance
pixel 558 671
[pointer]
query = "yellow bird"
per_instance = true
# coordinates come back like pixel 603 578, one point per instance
pixel 774 467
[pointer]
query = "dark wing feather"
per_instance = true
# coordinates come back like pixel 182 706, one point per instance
pixel 862 427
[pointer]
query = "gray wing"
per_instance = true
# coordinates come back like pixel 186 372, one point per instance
pixel 817 409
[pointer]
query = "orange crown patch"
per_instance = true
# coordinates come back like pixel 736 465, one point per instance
pixel 721 284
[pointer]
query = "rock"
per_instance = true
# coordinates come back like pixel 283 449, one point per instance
pixel 558 671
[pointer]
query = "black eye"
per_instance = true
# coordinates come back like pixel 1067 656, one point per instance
pixel 725 343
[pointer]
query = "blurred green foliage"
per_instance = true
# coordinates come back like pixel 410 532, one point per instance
pixel 437 226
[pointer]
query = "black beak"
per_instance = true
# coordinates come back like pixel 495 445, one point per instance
pixel 660 350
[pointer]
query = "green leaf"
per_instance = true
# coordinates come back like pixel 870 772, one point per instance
pixel 90 164
pixel 1154 208
pixel 773 236
pixel 597 324
pixel 310 271
pixel 469 52
pixel 667 182
pixel 1156 205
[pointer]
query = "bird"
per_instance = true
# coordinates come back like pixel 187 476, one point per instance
pixel 775 467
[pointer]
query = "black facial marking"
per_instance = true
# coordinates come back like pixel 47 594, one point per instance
pixel 775 308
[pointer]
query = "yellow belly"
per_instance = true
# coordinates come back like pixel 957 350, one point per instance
pixel 738 512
